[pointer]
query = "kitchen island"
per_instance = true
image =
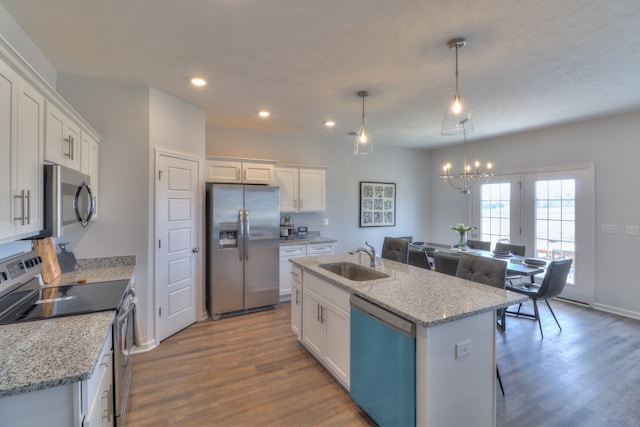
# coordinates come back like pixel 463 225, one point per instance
pixel 452 388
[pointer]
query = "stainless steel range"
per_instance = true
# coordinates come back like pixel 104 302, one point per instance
pixel 23 298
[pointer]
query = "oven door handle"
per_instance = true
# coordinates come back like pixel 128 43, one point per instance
pixel 126 313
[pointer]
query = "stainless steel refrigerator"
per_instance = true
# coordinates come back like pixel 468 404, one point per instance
pixel 243 241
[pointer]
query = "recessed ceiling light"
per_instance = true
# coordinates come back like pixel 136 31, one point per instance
pixel 329 123
pixel 264 113
pixel 198 81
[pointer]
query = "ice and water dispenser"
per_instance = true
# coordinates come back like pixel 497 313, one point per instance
pixel 228 235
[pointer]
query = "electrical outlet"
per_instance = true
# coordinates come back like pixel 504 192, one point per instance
pixel 631 230
pixel 325 221
pixel 463 348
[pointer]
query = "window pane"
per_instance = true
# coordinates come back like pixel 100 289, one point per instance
pixel 496 211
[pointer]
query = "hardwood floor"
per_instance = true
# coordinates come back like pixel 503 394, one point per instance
pixel 250 371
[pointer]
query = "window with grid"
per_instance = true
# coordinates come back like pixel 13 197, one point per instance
pixel 495 213
pixel 555 220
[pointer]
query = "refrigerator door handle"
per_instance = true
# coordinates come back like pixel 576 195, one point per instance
pixel 248 234
pixel 240 234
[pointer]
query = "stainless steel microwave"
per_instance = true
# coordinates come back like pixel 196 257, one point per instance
pixel 68 201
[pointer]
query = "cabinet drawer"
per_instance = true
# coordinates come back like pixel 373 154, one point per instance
pixel 290 251
pixel 296 274
pixel 320 248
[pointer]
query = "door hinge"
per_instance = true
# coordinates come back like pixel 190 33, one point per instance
pixel 159 244
pixel 159 175
pixel 159 311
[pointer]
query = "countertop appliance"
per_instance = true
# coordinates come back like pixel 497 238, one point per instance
pixel 383 364
pixel 243 232
pixel 23 299
pixel 69 202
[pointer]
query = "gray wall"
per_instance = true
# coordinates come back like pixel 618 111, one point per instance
pixel 134 121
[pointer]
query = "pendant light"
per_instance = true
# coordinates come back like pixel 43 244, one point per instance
pixel 457 118
pixel 363 146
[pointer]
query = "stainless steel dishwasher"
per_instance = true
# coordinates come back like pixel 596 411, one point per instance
pixel 383 364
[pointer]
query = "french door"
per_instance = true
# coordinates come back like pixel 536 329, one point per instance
pixel 552 213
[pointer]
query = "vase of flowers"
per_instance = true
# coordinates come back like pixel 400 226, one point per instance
pixel 462 231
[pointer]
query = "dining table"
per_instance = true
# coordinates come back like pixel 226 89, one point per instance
pixel 516 265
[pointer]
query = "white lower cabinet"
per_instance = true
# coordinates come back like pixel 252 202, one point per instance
pixel 87 403
pixel 295 251
pixel 99 395
pixel 325 325
pixel 286 252
pixel 296 301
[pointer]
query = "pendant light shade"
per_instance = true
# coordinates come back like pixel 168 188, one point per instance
pixel 457 118
pixel 363 145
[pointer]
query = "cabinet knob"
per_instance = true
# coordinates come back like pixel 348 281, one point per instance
pixel 195 250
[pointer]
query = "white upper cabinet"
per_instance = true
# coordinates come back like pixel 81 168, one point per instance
pixel 89 154
pixel 29 150
pixel 36 125
pixel 62 140
pixel 302 188
pixel 21 133
pixel 240 172
pixel 8 91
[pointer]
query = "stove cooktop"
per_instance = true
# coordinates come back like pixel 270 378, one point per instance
pixel 29 304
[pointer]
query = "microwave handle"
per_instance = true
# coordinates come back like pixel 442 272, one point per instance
pixel 76 210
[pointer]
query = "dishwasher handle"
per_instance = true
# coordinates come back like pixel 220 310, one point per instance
pixel 393 321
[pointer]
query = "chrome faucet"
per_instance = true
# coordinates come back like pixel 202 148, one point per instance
pixel 372 253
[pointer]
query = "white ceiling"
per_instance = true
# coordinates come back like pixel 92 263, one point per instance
pixel 527 63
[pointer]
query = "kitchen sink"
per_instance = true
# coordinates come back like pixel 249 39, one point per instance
pixel 352 271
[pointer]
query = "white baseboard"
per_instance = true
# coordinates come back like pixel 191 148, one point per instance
pixel 616 310
pixel 147 346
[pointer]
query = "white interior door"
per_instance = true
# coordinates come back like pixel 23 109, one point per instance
pixel 177 251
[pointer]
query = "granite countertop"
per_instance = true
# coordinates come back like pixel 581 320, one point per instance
pixel 101 269
pixel 421 296
pixel 307 240
pixel 48 353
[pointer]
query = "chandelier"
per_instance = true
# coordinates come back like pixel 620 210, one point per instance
pixel 457 120
pixel 466 179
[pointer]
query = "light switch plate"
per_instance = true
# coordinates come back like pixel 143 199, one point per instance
pixel 609 228
pixel 631 230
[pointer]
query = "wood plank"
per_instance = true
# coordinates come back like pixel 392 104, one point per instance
pixel 50 267
pixel 250 370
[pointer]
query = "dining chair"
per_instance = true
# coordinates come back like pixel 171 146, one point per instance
pixel 552 285
pixel 488 271
pixel 514 249
pixel 479 244
pixel 446 263
pixel 419 259
pixel 395 249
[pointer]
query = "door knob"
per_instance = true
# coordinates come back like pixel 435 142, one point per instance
pixel 195 250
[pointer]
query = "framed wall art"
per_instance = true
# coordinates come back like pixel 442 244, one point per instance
pixel 377 204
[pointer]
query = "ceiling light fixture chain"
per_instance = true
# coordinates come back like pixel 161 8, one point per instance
pixel 363 145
